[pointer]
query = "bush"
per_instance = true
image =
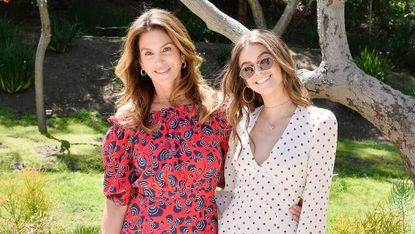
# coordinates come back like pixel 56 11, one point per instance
pixel 373 64
pixel 16 67
pixel 86 230
pixel 7 32
pixel 381 220
pixel 403 197
pixel 25 204
pixel 63 35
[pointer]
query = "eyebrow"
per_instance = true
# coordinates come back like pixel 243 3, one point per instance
pixel 167 43
pixel 265 52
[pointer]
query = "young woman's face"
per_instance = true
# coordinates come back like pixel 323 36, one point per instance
pixel 259 70
pixel 160 58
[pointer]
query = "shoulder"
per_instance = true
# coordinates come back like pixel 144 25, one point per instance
pixel 318 115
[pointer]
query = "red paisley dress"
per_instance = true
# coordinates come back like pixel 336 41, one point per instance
pixel 168 177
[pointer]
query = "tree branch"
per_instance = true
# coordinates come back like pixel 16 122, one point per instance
pixel 215 19
pixel 286 17
pixel 257 13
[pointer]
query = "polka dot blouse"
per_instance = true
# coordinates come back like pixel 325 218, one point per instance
pixel 256 199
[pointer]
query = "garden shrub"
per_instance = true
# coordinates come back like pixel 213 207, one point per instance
pixel 63 35
pixel 372 63
pixel 25 204
pixel 16 67
pixel 7 32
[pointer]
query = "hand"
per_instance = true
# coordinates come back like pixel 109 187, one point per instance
pixel 296 210
pixel 125 116
pixel 127 121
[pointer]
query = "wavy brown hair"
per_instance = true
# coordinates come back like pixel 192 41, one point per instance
pixel 139 90
pixel 233 85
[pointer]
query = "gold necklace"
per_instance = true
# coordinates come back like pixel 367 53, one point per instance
pixel 273 126
pixel 270 126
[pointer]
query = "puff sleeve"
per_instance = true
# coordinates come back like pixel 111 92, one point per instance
pixel 320 166
pixel 224 139
pixel 119 170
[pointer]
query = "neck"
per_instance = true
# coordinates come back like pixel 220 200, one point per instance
pixel 277 107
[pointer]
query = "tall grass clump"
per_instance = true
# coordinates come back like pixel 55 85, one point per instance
pixel 381 220
pixel 7 32
pixel 372 63
pixel 393 216
pixel 16 61
pixel 403 200
pixel 25 205
pixel 63 35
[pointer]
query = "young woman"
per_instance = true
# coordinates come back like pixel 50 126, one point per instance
pixel 282 149
pixel 161 176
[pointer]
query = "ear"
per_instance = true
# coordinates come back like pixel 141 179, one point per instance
pixel 183 59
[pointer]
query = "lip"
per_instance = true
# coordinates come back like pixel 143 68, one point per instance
pixel 263 80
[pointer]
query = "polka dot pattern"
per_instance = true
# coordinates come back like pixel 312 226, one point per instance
pixel 257 198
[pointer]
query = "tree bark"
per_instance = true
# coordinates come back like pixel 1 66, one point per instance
pixel 40 56
pixel 257 13
pixel 286 17
pixel 339 79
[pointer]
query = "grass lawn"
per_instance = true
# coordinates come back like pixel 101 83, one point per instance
pixel 70 158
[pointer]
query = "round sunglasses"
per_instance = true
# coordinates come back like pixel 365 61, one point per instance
pixel 264 64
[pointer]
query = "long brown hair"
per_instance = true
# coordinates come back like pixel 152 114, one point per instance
pixel 233 86
pixel 139 90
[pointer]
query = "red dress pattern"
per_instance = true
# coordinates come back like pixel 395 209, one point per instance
pixel 167 177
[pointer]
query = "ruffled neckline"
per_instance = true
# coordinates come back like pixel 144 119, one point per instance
pixel 156 115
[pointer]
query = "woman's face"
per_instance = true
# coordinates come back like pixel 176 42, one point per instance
pixel 261 72
pixel 160 58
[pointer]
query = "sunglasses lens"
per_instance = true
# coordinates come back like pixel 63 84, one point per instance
pixel 265 63
pixel 247 72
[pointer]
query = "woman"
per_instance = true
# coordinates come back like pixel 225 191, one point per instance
pixel 282 149
pixel 161 176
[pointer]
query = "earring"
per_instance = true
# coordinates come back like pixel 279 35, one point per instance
pixel 243 96
pixel 184 64
pixel 142 72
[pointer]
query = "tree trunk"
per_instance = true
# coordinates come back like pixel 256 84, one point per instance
pixel 242 11
pixel 339 79
pixel 286 17
pixel 40 55
pixel 257 14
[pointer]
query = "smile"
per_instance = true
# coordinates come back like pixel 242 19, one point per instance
pixel 162 71
pixel 263 80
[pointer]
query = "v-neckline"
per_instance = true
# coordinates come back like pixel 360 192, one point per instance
pixel 252 125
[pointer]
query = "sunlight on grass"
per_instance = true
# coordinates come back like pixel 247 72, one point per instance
pixel 20 142
pixel 81 198
pixel 352 197
pixel 368 158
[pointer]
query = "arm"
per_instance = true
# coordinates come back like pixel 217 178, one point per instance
pixel 319 172
pixel 113 218
pixel 225 195
pixel 119 175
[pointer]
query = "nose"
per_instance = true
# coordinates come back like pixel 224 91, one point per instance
pixel 159 58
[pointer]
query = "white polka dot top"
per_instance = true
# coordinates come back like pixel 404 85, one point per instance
pixel 256 199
